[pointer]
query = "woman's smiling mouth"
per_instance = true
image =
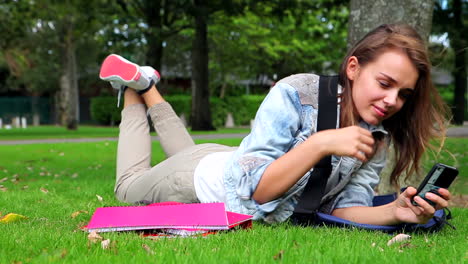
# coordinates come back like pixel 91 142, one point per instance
pixel 380 111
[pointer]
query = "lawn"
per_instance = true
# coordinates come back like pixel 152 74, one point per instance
pixel 48 183
pixel 45 132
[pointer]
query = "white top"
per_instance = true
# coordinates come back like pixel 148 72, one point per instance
pixel 209 177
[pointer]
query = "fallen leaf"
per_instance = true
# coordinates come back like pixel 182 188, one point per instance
pixel 406 245
pixel 99 197
pixel 398 238
pixel 3 188
pixel 25 187
pixel 75 214
pixel 80 226
pixel 4 179
pixel 153 237
pixel 64 253
pixel 94 237
pixel 61 154
pixel 74 175
pixel 296 245
pixel 279 256
pixel 147 249
pixel 105 244
pixel 11 217
pixel 44 190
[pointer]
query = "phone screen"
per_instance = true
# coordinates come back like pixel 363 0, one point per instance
pixel 433 181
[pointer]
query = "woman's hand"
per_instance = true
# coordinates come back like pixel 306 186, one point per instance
pixel 405 211
pixel 350 141
pixel 399 211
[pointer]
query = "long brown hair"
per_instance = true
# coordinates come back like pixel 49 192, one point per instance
pixel 422 117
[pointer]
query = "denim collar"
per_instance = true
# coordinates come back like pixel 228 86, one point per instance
pixel 372 128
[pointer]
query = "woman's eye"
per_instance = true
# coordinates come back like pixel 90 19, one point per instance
pixel 405 95
pixel 384 84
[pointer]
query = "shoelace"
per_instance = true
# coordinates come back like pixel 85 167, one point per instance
pixel 121 91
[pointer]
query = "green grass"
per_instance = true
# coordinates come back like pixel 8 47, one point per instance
pixel 45 132
pixel 72 174
pixel 454 153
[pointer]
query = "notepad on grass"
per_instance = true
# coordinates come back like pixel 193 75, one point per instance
pixel 204 216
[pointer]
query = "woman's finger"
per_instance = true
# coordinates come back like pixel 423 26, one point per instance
pixel 428 209
pixel 444 193
pixel 367 139
pixel 439 201
pixel 366 149
pixel 360 155
pixel 416 209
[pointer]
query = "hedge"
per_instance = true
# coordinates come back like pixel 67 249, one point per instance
pixel 104 110
pixel 243 108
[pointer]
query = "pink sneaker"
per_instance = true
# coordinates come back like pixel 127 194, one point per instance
pixel 117 69
pixel 122 73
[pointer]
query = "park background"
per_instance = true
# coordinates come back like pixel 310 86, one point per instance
pixel 217 59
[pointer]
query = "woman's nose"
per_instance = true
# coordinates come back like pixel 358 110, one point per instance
pixel 391 97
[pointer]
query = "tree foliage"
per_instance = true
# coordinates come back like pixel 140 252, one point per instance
pixel 246 40
pixel 451 17
pixel 276 42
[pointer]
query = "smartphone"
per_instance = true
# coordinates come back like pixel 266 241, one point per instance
pixel 440 176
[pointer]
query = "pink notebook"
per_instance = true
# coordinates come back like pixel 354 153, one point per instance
pixel 211 216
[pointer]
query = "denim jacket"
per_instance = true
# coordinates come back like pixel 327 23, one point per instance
pixel 285 119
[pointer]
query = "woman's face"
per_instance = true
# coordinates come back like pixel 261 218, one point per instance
pixel 381 87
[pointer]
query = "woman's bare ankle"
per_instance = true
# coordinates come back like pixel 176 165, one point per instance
pixel 152 97
pixel 131 97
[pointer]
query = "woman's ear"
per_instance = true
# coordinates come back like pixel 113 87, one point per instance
pixel 352 68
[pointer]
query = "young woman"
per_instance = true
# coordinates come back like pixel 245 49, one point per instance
pixel 385 95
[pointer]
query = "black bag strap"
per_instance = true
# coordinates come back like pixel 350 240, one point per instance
pixel 314 190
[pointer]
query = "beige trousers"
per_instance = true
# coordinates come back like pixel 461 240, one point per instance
pixel 171 179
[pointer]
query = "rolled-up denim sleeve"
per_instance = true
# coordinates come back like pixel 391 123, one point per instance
pixel 360 190
pixel 276 123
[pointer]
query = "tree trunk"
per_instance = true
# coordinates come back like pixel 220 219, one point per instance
pixel 154 35
pixel 459 44
pixel 201 114
pixel 69 100
pixel 155 52
pixel 367 15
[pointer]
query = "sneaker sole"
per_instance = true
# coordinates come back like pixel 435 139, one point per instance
pixel 115 67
